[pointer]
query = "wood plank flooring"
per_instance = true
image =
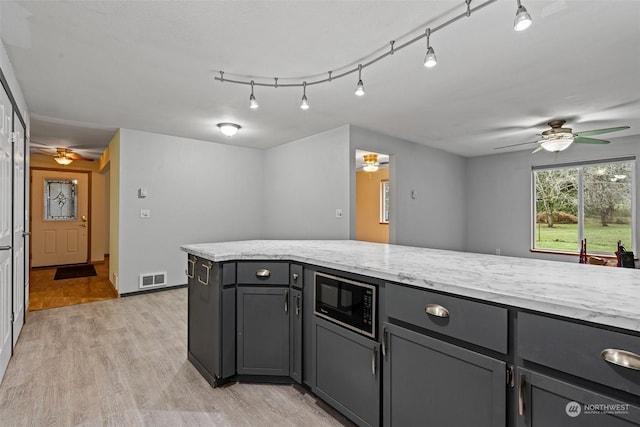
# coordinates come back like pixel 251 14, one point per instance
pixel 122 362
pixel 48 293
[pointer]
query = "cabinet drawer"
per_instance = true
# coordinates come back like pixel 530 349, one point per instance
pixel 263 273
pixel 474 322
pixel 576 349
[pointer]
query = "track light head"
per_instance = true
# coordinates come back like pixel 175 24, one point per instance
pixel 360 86
pixel 253 103
pixel 430 59
pixel 523 19
pixel 304 105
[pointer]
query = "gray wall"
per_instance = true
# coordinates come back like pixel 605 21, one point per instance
pixel 436 217
pixel 499 204
pixel 198 192
pixel 304 182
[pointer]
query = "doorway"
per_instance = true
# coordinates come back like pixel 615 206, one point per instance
pixel 372 196
pixel 60 217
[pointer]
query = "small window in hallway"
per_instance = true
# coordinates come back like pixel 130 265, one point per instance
pixel 60 199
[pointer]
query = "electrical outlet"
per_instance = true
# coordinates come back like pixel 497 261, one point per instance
pixel 145 213
pixel 498 251
pixel 338 213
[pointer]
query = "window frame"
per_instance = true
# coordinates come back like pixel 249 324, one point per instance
pixel 384 208
pixel 580 166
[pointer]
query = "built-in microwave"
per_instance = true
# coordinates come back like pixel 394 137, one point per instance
pixel 346 302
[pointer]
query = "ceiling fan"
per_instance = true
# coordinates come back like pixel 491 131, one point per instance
pixel 559 138
pixel 64 156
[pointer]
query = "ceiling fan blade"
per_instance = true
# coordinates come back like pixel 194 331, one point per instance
pixel 515 145
pixel 76 156
pixel 601 131
pixel 540 148
pixel 46 152
pixel 583 140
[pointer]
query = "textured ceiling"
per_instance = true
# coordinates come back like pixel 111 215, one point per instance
pixel 87 68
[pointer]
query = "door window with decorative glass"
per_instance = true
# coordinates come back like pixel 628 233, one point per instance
pixel 60 199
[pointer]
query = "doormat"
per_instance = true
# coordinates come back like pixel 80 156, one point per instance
pixel 74 271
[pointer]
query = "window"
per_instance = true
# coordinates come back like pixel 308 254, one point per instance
pixel 592 201
pixel 384 202
pixel 60 199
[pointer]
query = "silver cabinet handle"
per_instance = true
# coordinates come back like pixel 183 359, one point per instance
pixel 298 305
pixel 5 248
pixel 521 384
pixel 263 272
pixel 286 301
pixel 191 262
pixel 623 358
pixel 384 342
pixel 208 266
pixel 26 233
pixel 436 310
pixel 374 356
pixel 295 277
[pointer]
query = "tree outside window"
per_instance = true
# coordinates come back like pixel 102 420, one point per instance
pixel 587 201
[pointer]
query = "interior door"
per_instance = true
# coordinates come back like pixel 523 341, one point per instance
pixel 19 232
pixel 6 201
pixel 59 221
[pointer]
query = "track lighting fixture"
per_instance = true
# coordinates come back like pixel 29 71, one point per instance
pixel 523 19
pixel 304 105
pixel 253 104
pixel 229 129
pixel 430 59
pixel 522 22
pixel 360 86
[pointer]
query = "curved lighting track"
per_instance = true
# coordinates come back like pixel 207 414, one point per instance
pixel 393 48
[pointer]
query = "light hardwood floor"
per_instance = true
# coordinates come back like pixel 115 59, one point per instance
pixel 122 362
pixel 48 293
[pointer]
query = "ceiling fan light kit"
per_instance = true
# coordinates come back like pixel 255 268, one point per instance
pixel 370 163
pixel 63 160
pixel 522 22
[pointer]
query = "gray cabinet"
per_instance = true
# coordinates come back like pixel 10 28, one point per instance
pixel 263 330
pixel 347 372
pixel 544 401
pixel 211 319
pixel 434 383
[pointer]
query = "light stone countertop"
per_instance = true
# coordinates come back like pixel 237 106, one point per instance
pixel 603 295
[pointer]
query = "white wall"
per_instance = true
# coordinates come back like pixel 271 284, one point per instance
pixel 436 217
pixel 499 201
pixel 304 182
pixel 197 192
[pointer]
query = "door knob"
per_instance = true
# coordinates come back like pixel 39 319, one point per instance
pixel 84 218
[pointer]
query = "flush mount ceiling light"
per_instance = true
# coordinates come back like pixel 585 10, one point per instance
pixel 522 22
pixel 523 19
pixel 229 129
pixel 370 163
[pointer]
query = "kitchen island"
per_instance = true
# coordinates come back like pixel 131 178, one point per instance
pixel 513 331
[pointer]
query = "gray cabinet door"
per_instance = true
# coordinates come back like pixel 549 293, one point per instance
pixel 347 372
pixel 263 331
pixel 295 331
pixel 548 402
pixel 434 383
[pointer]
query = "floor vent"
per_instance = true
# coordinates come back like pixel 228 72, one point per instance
pixel 151 280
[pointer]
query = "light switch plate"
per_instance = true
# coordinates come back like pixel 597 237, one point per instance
pixel 145 213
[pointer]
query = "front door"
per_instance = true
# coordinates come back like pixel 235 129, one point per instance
pixel 19 232
pixel 6 202
pixel 59 217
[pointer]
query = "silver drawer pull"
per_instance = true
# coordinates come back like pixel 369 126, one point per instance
pixel 208 266
pixel 263 272
pixel 436 310
pixel 623 358
pixel 521 385
pixel 191 263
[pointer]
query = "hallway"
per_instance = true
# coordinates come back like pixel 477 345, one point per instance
pixel 48 293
